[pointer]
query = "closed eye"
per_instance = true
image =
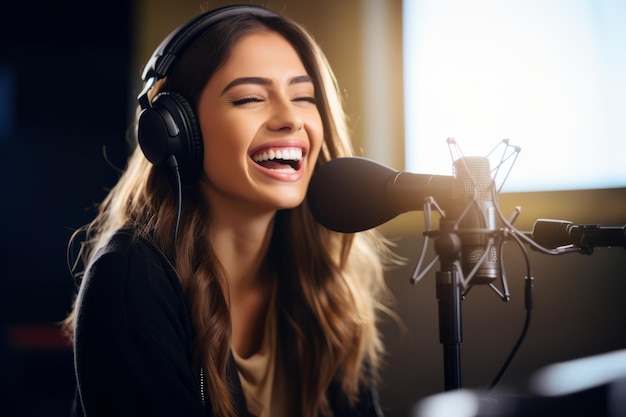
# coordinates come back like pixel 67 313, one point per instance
pixel 306 99
pixel 245 100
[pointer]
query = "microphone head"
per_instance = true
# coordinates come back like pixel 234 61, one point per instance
pixel 342 184
pixel 473 186
pixel 472 176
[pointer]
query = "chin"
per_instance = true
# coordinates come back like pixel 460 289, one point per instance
pixel 289 202
pixel 291 205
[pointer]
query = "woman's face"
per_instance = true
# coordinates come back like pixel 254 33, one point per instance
pixel 260 125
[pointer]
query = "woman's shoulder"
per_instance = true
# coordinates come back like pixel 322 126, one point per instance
pixel 130 271
pixel 132 327
pixel 127 255
pixel 126 242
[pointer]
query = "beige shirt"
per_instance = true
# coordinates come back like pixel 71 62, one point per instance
pixel 262 377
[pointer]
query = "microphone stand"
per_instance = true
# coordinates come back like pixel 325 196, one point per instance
pixel 450 286
pixel 448 292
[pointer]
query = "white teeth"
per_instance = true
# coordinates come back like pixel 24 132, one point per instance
pixel 287 154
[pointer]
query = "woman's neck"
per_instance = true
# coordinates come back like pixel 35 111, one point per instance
pixel 241 243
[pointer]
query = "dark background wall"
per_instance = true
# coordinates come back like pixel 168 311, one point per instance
pixel 67 76
pixel 64 87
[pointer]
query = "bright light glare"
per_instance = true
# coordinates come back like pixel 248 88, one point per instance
pixel 461 403
pixel 550 76
pixel 580 374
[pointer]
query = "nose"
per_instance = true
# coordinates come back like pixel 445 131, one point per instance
pixel 284 116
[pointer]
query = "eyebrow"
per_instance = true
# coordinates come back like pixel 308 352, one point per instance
pixel 264 81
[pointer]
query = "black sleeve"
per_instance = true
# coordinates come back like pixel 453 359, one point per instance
pixel 133 338
pixel 368 402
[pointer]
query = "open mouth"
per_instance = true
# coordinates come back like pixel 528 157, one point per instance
pixel 279 159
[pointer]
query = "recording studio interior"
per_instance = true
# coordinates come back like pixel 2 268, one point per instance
pixel 424 82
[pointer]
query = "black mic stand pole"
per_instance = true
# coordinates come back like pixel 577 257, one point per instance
pixel 448 247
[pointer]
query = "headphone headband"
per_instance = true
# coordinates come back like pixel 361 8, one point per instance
pixel 175 43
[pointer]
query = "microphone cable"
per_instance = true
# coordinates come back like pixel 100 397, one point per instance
pixel 528 292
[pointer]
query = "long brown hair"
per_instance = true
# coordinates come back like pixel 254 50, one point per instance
pixel 330 286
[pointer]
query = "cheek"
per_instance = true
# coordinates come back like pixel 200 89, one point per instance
pixel 316 134
pixel 221 150
pixel 223 138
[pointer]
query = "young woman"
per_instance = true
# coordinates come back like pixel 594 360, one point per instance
pixel 224 296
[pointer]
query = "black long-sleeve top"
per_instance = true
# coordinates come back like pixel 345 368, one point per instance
pixel 133 341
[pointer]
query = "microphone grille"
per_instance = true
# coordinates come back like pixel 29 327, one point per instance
pixel 473 253
pixel 472 176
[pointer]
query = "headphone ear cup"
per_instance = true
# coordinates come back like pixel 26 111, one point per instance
pixel 192 150
pixel 169 127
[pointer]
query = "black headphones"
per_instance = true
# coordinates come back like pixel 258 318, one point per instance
pixel 167 126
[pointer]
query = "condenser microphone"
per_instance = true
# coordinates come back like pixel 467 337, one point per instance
pixel 474 207
pixel 352 194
